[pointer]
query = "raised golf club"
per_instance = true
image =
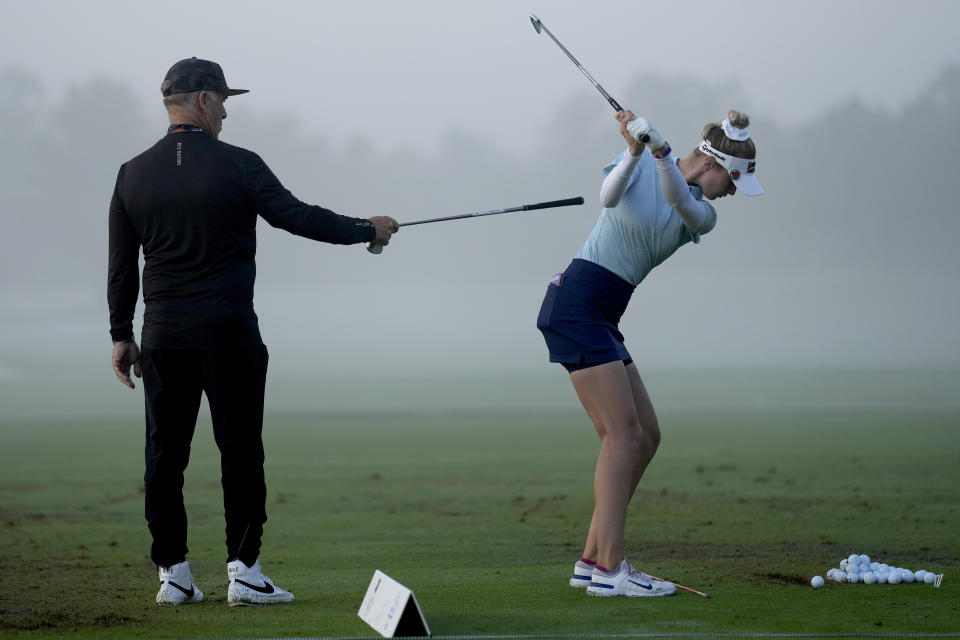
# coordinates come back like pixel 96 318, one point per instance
pixel 540 27
pixel 378 248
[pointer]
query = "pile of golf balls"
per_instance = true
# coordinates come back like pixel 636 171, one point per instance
pixel 858 568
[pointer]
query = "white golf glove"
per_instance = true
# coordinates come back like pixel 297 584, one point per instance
pixel 641 127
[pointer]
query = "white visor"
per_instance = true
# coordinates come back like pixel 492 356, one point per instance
pixel 742 170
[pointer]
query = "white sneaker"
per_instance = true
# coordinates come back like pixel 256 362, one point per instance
pixel 176 585
pixel 248 585
pixel 582 575
pixel 627 581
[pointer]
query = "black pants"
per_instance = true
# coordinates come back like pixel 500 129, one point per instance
pixel 234 382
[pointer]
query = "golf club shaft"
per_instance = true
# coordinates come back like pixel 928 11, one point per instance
pixel 374 247
pixel 538 26
pixel 526 207
pixel 613 103
pixel 680 586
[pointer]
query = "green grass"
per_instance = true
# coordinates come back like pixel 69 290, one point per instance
pixel 483 515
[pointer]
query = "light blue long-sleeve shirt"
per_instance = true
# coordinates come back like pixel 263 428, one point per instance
pixel 642 231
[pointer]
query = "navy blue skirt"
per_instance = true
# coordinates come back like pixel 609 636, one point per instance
pixel 580 314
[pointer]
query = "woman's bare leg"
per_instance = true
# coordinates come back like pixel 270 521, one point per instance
pixel 647 428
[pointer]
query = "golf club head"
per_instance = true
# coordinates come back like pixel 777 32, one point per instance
pixel 536 22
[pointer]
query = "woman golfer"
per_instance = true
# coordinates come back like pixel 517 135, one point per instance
pixel 652 205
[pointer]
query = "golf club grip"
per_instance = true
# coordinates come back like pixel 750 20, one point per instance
pixel 616 105
pixel 554 203
pixel 375 248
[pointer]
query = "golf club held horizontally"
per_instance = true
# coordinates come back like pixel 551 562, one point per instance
pixel 374 247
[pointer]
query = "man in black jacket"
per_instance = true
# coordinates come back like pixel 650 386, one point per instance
pixel 191 202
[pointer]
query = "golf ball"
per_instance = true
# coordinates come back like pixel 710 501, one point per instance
pixel 853 578
pixel 906 576
pixel 918 576
pixel 929 577
pixel 894 577
pixel 853 559
pixel 881 577
pixel 864 559
pixel 816 582
pixel 869 578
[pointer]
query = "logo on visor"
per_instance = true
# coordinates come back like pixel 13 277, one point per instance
pixel 735 174
pixel 751 166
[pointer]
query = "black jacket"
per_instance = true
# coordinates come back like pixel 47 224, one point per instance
pixel 192 203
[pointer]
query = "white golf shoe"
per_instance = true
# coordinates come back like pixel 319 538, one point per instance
pixel 248 585
pixel 176 585
pixel 627 581
pixel 582 575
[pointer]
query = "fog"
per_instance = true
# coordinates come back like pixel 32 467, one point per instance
pixel 847 264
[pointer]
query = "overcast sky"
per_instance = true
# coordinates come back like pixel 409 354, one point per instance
pixel 410 71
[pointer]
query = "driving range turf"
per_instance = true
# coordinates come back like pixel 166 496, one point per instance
pixel 483 515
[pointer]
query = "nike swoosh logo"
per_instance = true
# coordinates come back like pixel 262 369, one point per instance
pixel 642 586
pixel 187 592
pixel 266 588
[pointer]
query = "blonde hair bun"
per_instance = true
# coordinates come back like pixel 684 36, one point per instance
pixel 738 119
pixel 716 136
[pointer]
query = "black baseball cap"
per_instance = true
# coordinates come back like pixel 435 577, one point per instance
pixel 194 74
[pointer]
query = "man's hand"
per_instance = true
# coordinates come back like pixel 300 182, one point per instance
pixel 126 354
pixel 386 227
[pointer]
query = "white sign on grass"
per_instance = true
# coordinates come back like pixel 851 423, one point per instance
pixel 392 609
